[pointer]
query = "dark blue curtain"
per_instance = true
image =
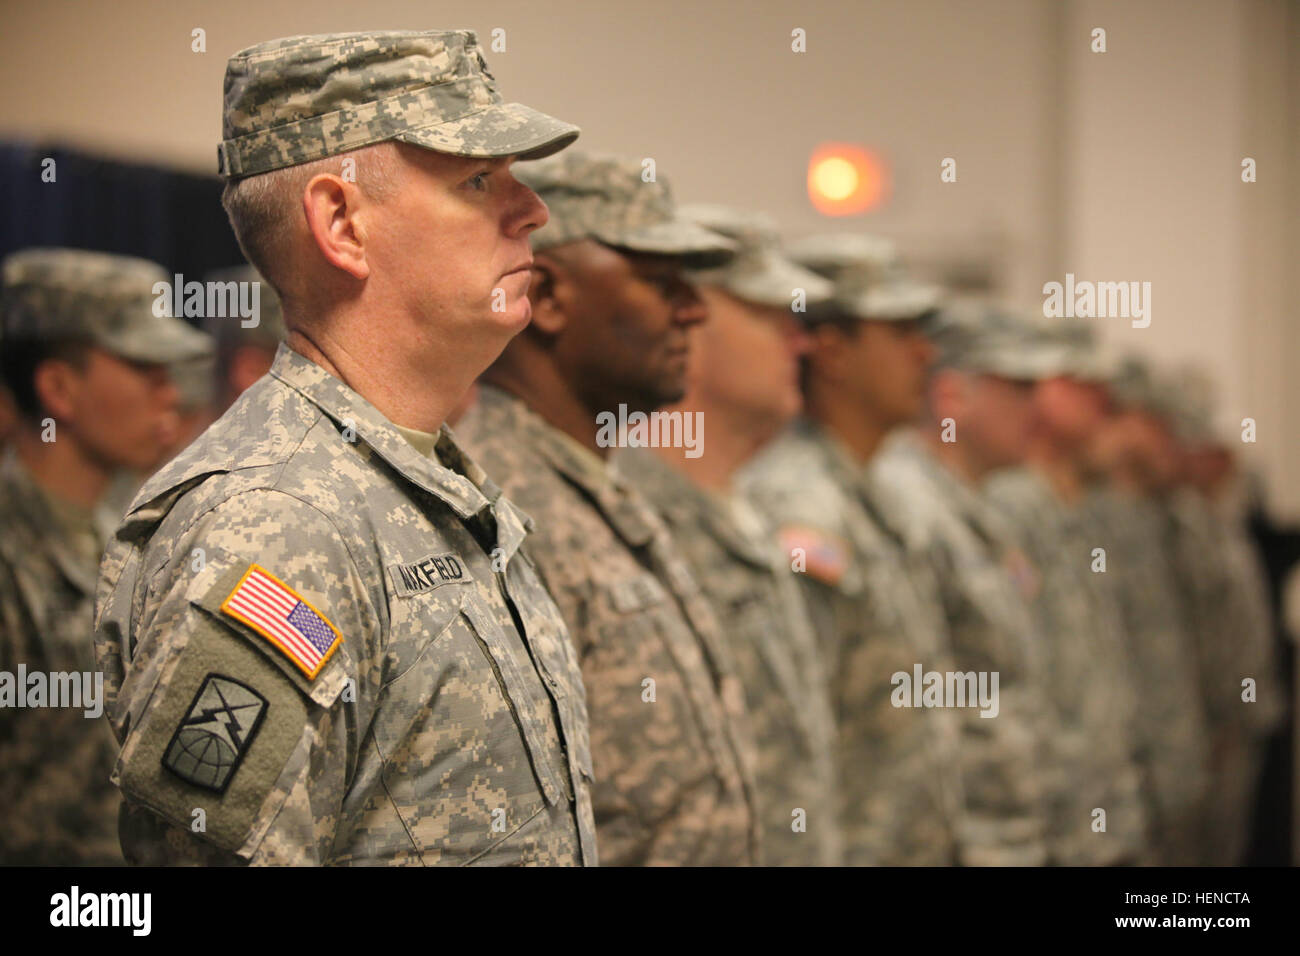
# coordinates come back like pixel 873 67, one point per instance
pixel 170 217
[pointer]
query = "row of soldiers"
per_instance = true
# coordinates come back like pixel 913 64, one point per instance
pixel 332 630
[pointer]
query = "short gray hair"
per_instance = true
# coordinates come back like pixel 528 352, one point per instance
pixel 261 207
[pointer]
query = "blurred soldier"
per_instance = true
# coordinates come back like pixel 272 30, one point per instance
pixel 980 408
pixel 322 641
pixel 1090 685
pixel 85 358
pixel 246 347
pixel 1135 447
pixel 1222 585
pixel 196 381
pixel 744 385
pixel 611 310
pixel 863 378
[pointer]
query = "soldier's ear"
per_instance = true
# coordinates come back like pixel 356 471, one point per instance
pixel 546 294
pixel 56 384
pixel 330 209
pixel 827 349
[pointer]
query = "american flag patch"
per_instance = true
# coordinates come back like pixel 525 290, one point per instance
pixel 274 610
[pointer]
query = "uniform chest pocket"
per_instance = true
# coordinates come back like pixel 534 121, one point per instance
pixel 417 622
pixel 648 680
pixel 469 754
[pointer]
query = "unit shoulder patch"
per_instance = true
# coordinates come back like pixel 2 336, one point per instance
pixel 210 741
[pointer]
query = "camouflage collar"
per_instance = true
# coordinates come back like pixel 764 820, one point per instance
pixel 973 508
pixel 1033 492
pixel 621 506
pixel 453 478
pixel 688 505
pixel 839 460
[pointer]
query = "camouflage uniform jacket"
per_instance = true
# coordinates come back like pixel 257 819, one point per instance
pixel 1173 734
pixel 446 722
pixel 983 581
pixel 902 791
pixel 739 565
pixel 1220 578
pixel 60 807
pixel 671 744
pixel 1091 685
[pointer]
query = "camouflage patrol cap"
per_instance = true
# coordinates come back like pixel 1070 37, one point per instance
pixel 991 339
pixel 1183 398
pixel 1080 356
pixel 870 282
pixel 760 273
pixel 303 98
pixel 106 299
pixel 1189 395
pixel 604 198
pixel 1133 385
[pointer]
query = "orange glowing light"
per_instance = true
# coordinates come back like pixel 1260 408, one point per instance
pixel 844 180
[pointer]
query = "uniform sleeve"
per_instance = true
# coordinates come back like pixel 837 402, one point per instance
pixel 245 681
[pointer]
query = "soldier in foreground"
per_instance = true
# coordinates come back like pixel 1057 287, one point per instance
pixel 744 386
pixel 87 361
pixel 321 642
pixel 1091 685
pixel 979 419
pixel 609 339
pixel 864 377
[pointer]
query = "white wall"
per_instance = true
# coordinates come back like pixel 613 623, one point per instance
pixel 1157 130
pixel 1123 165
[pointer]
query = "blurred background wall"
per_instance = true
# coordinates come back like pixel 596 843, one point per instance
pixel 1115 166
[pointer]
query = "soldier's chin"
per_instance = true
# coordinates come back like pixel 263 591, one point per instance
pixel 516 315
pixel 670 391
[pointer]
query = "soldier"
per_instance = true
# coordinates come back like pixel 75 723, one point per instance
pixel 322 642
pixel 1221 582
pixel 85 358
pixel 1093 762
pixel 243 354
pixel 611 312
pixel 1136 449
pixel 980 415
pixel 862 379
pixel 744 384
pixel 244 351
